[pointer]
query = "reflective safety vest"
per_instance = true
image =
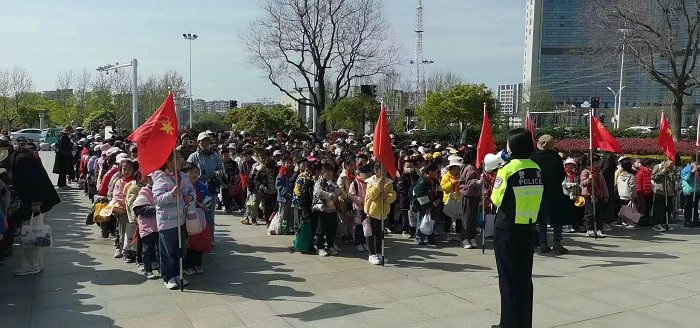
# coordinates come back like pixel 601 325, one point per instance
pixel 517 191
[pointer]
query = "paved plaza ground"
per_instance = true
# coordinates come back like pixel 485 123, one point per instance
pixel 634 278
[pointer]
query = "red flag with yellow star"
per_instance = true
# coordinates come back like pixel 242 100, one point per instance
pixel 602 139
pixel 666 139
pixel 157 137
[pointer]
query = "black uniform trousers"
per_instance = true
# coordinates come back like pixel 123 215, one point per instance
pixel 514 252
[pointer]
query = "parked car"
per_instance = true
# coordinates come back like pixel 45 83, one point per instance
pixel 642 129
pixel 32 134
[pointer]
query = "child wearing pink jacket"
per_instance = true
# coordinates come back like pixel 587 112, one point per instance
pixel 358 190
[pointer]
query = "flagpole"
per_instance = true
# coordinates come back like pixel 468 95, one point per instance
pixel 483 219
pixel 663 118
pixel 179 229
pixel 592 170
pixel 381 199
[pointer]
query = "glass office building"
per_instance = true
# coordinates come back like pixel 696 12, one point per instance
pixel 557 58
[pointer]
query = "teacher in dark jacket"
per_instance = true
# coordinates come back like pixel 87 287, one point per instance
pixel 34 195
pixel 555 208
pixel 63 165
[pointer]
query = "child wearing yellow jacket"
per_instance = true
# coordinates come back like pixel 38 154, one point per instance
pixel 380 195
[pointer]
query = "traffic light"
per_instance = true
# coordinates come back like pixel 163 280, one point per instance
pixel 369 90
pixel 595 102
pixel 232 104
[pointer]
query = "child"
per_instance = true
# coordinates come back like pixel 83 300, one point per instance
pixel 298 179
pixel 326 194
pixel 305 184
pixel 231 200
pixel 426 200
pixel 405 181
pixel 193 258
pixel 265 185
pixel 380 195
pixel 284 186
pixel 145 209
pixel 345 179
pixel 356 194
pixel 127 169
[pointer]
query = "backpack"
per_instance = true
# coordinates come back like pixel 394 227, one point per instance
pixel 304 239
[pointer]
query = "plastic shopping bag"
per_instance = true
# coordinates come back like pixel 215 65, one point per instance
pixel 367 228
pixel 426 224
pixel 275 226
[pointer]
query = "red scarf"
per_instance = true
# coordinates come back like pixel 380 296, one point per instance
pixel 570 175
pixel 349 175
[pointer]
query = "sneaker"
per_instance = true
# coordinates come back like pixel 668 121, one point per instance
pixel 141 267
pixel 658 228
pixel 600 234
pixel 128 259
pixel 472 242
pixel 254 222
pixel 569 229
pixel 374 259
pixel 406 235
pixel 117 253
pixel 387 231
pixel 544 248
pixel 359 248
pixel 668 228
pixel 465 243
pixel 333 251
pixel 322 252
pixel 190 272
pixel 150 275
pixel 199 270
pixel 171 284
pixel 27 272
pixel 420 242
pixel 607 227
pixel 366 247
pixel 590 233
pixel 182 282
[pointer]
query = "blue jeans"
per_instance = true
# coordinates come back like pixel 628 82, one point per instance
pixel 149 250
pixel 168 250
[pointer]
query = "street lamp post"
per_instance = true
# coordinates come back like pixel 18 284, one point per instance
pixel 622 69
pixel 134 87
pixel 190 37
pixel 616 108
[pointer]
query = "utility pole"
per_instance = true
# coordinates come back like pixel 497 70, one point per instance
pixel 190 37
pixel 134 88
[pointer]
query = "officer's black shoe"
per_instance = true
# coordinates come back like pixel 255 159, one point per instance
pixel 544 248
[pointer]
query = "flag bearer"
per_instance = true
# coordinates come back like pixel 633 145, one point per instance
pixel 517 192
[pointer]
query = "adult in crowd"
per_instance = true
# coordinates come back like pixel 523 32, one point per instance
pixel 33 195
pixel 517 192
pixel 211 171
pixel 644 188
pixel 555 208
pixel 691 193
pixel 595 192
pixel 63 165
pixel 626 183
pixel 664 177
pixel 470 188
pixel 607 169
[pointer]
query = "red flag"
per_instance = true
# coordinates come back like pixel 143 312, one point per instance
pixel 486 143
pixel 666 138
pixel 382 144
pixel 602 139
pixel 157 137
pixel 530 127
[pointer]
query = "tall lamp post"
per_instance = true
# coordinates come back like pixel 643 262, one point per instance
pixel 190 37
pixel 622 70
pixel 134 88
pixel 616 108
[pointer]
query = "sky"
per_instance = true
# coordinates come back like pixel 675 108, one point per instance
pixel 480 40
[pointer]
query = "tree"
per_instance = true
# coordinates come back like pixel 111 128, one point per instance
pixel 661 36
pixel 321 46
pixel 21 89
pixel 64 95
pixel 261 121
pixel 81 94
pixel 5 93
pixel 443 80
pixel 352 113
pixel 538 99
pixel 458 107
pixel 202 121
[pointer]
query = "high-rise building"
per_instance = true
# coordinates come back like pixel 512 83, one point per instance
pixel 509 100
pixel 557 59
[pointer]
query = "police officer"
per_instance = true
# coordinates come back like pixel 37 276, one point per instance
pixel 517 192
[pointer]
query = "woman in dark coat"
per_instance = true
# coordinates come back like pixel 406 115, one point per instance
pixel 63 165
pixel 33 193
pixel 555 208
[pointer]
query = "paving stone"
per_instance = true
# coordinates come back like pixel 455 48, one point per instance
pixel 215 316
